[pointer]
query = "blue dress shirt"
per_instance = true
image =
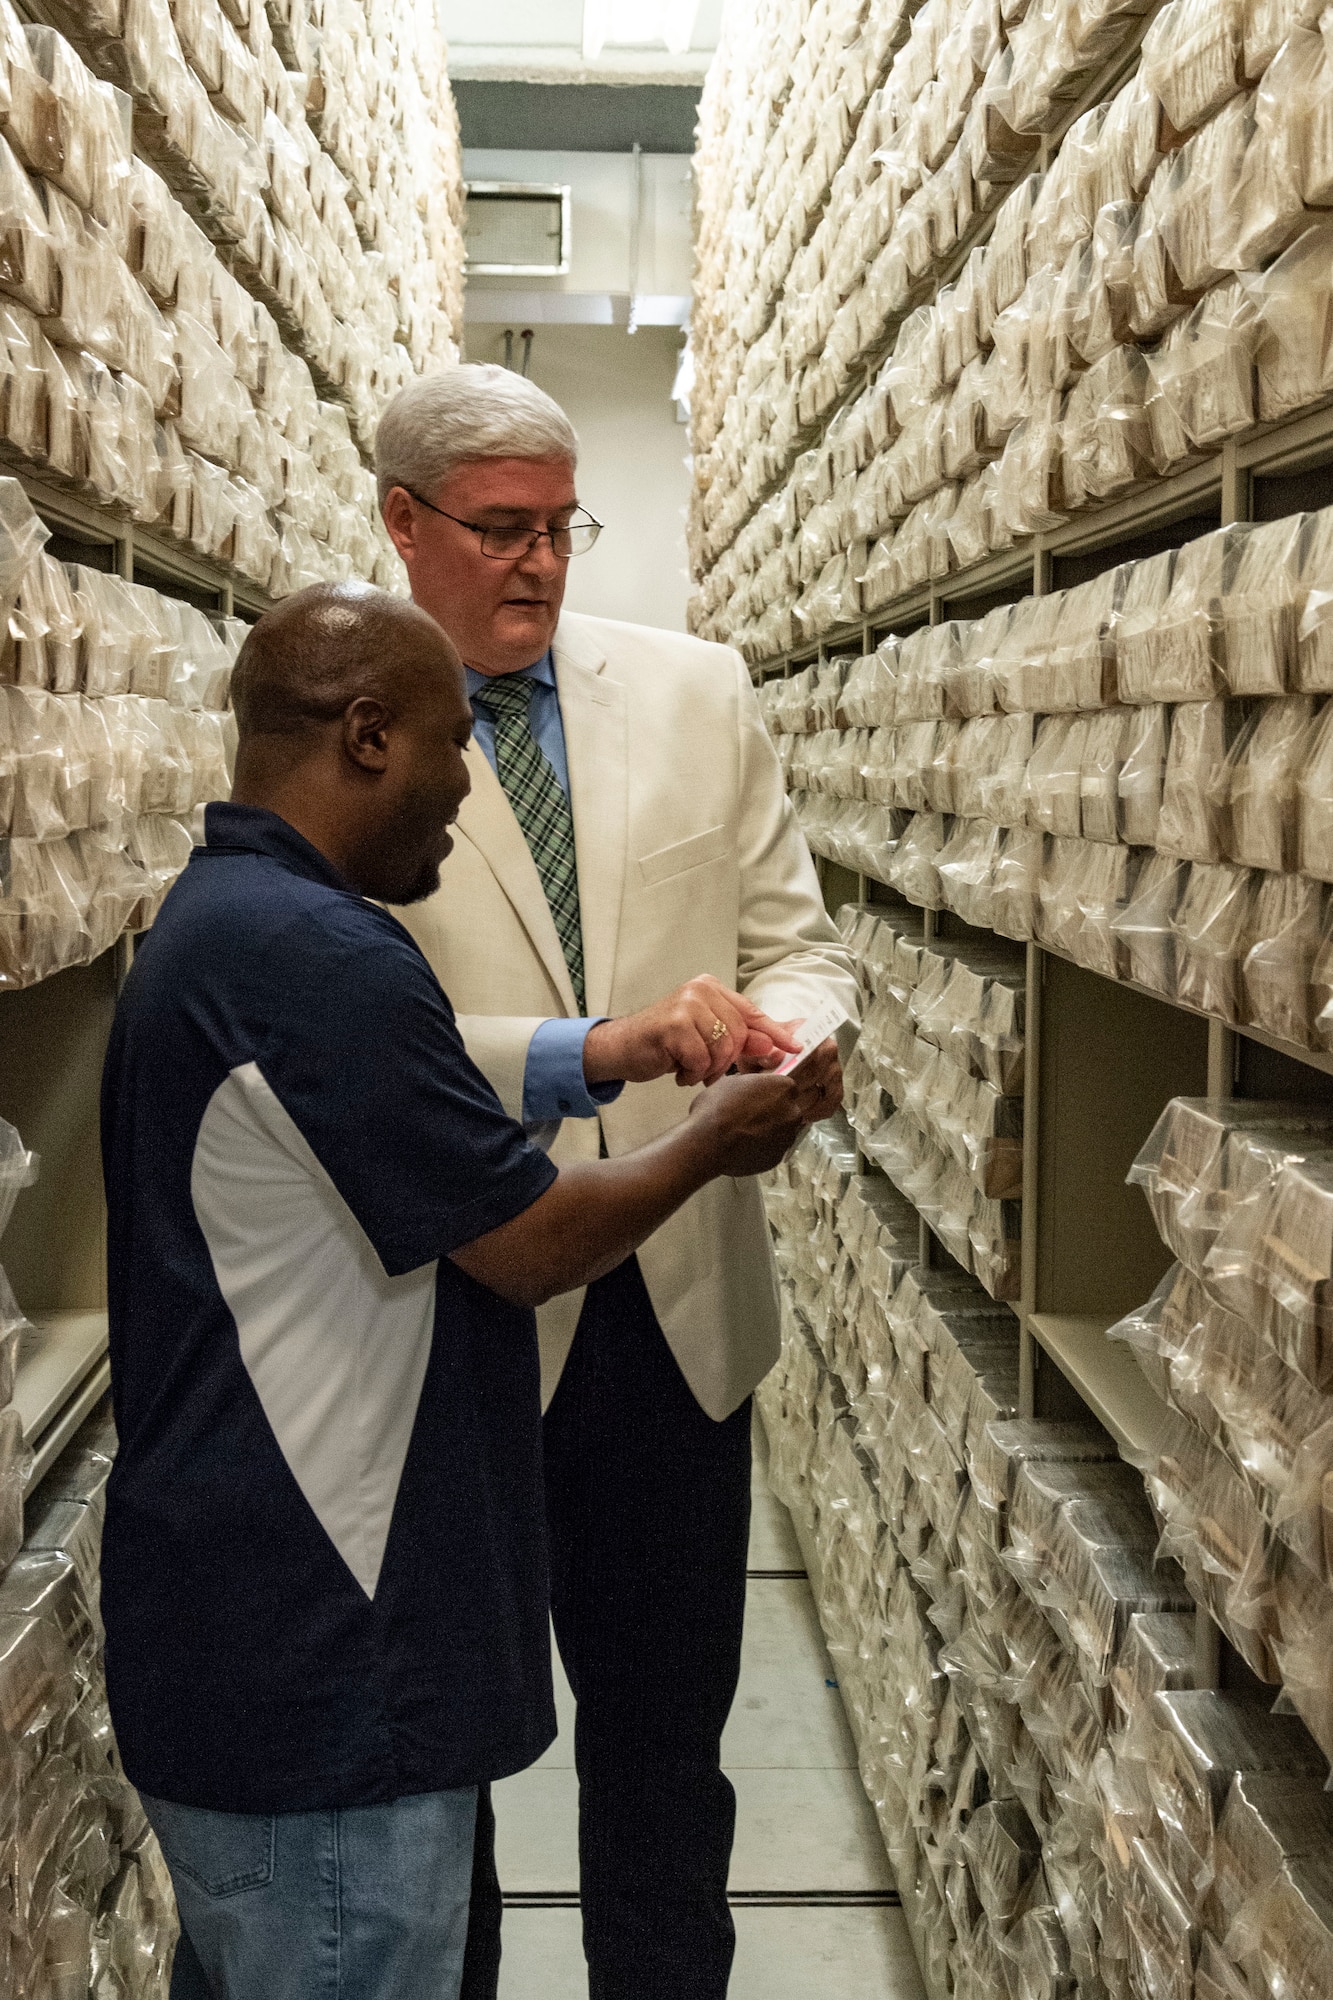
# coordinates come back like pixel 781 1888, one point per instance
pixel 554 1085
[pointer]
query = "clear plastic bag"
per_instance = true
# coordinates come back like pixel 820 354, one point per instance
pixel 1263 767
pixel 1104 887
pixel 1286 926
pixel 1146 927
pixel 1292 1929
pixel 43 914
pixel 1018 878
pixel 1268 1819
pixel 1023 674
pixel 1142 775
pixel 1192 59
pixel 1030 486
pixel 1314 789
pixel 1259 606
pixel 966 868
pixel 1107 434
pixel 1146 593
pixel 1202 1741
pixel 18 1169
pixel 28 270
pixel 1294 356
pixel 1144 291
pixel 1081 1542
pixel 1178 657
pixel 1107 740
pixel 1270 1258
pixel 1211 926
pixel 1203 384
pixel 1194 788
pixel 1053 776
pixel 912 869
pixel 1197 195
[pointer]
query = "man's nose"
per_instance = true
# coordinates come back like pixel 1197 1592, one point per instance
pixel 541 560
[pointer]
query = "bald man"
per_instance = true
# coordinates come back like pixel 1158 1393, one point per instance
pixel 324 1568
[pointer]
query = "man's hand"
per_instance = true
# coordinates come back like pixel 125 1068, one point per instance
pixel 696 1034
pixel 750 1122
pixel 822 1072
pixel 822 1062
pixel 598 1211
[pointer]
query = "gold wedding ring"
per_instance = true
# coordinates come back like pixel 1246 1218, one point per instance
pixel 718 1031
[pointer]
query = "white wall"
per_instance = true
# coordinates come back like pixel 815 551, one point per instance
pixel 616 388
pixel 601 200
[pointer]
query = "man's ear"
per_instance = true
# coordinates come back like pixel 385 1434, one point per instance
pixel 365 733
pixel 400 521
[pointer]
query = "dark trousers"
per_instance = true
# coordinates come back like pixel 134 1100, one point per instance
pixel 648 1502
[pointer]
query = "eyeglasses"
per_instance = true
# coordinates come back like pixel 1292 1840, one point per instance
pixel 506 544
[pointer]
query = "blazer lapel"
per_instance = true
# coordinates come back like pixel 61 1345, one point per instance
pixel 593 710
pixel 487 820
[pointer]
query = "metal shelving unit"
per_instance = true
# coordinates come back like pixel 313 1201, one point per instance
pixel 1220 485
pixel 134 552
pixel 1104 1056
pixel 53 1034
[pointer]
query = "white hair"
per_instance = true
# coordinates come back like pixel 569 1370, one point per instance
pixel 475 410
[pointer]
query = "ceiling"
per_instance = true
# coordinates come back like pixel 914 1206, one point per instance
pixel 542 41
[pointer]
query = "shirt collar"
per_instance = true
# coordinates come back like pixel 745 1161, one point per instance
pixel 542 671
pixel 233 829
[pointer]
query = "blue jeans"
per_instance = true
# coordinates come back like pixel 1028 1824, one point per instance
pixel 365 1903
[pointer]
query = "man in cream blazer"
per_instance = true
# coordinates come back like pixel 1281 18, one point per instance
pixel 692 882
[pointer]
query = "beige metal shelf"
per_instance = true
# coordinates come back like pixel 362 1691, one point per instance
pixel 60 507
pixel 62 1373
pixel 1312 1058
pixel 1104 1373
pixel 81 1405
pixel 1319 1059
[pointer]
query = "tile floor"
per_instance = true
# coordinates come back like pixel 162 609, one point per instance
pixel 803 1822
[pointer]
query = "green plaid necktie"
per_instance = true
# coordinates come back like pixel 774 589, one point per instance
pixel 541 809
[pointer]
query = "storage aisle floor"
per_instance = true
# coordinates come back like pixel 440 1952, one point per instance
pixel 804 1826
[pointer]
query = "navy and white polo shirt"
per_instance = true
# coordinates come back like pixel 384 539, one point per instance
pixel 324 1570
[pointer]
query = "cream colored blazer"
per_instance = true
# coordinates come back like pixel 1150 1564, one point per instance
pixel 689 861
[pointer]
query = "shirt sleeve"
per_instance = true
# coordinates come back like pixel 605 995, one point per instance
pixel 364 1055
pixel 554 1085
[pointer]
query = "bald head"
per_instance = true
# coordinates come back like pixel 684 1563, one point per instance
pixel 352 716
pixel 306 661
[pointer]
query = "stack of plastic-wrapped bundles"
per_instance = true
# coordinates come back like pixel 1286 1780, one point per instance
pixel 989 1584
pixel 84 1894
pixel 1136 772
pixel 201 331
pixel 1165 283
pixel 935 1083
pixel 1212 1809
pixel 114 734
pixel 1236 1341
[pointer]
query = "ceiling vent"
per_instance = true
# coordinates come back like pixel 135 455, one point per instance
pixel 517 229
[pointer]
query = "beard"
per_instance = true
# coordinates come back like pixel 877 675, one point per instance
pixel 423 884
pixel 407 868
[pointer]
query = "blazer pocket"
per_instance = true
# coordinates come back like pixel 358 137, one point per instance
pixel 664 862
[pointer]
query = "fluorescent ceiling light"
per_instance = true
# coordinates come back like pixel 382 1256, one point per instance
pixel 678 18
pixel 637 23
pixel 596 27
